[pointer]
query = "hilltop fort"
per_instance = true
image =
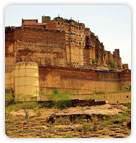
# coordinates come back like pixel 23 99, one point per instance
pixel 60 54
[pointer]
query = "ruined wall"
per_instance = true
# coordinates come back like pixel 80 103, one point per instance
pixel 95 48
pixel 81 81
pixel 45 47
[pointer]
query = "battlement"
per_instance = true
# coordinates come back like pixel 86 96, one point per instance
pixel 12 29
pixel 29 21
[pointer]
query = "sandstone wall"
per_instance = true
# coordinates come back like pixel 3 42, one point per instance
pixel 26 76
pixel 45 47
pixel 9 50
pixel 81 81
pixel 9 80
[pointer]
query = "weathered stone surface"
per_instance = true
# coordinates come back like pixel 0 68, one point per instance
pixel 70 57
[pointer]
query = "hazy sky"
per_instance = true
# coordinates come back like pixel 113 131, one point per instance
pixel 112 23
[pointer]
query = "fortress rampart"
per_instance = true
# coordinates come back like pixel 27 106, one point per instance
pixel 60 54
pixel 76 81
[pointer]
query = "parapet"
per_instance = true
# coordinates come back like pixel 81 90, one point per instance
pixel 12 29
pixel 29 21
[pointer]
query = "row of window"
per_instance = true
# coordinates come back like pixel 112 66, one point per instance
pixel 76 34
pixel 73 41
pixel 81 35
pixel 78 27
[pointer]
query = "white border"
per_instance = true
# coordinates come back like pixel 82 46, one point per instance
pixel 3 137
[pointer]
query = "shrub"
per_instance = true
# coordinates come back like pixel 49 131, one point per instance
pixel 128 87
pixel 9 99
pixel 98 92
pixel 94 61
pixel 112 65
pixel 125 115
pixel 60 100
pixel 23 105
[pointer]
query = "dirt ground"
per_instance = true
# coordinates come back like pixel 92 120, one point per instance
pixel 111 123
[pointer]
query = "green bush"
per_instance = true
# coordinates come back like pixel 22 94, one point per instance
pixel 60 100
pixel 9 99
pixel 98 92
pixel 112 65
pixel 128 87
pixel 94 61
pixel 125 115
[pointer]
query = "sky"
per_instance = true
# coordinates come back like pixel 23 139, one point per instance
pixel 112 23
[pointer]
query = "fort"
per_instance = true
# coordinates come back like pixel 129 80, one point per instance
pixel 60 54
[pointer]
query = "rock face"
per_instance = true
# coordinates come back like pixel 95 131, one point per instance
pixel 69 56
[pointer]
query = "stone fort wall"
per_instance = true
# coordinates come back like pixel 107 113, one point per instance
pixel 81 82
pixel 63 58
pixel 45 47
pixel 29 79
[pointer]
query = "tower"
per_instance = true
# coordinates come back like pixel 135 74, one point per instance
pixel 26 81
pixel 46 19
